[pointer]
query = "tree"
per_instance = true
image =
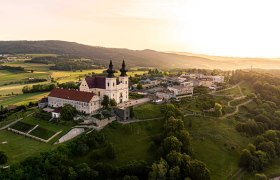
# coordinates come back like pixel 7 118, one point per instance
pixel 171 144
pixel 245 158
pixel 139 86
pixel 105 102
pixel 68 112
pixel 3 158
pixel 85 172
pixel 199 170
pixel 113 102
pixel 218 109
pixel 174 158
pixel 172 126
pixel 184 137
pixel 159 170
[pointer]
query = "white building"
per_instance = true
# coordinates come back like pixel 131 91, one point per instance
pixel 181 90
pixel 218 79
pixel 115 88
pixel 86 102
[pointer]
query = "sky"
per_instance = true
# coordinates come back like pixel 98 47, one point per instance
pixel 247 28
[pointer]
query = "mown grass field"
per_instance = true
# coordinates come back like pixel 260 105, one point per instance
pixel 19 147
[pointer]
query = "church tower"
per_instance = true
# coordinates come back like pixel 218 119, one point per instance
pixel 123 79
pixel 111 82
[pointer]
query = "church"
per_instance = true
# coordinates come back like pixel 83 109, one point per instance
pixel 92 91
pixel 114 87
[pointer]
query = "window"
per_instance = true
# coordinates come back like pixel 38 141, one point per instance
pixel 108 84
pixel 113 84
pixel 99 93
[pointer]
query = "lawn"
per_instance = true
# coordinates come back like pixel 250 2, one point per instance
pixel 20 147
pixel 147 111
pixel 217 144
pixel 22 98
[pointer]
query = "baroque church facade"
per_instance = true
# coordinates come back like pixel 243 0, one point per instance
pixel 114 87
pixel 91 92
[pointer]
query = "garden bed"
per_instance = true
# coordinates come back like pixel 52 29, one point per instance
pixel 21 126
pixel 42 133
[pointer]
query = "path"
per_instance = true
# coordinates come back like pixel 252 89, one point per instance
pixel 10 124
pixel 140 120
pixel 236 173
pixel 14 122
pixel 234 86
pixel 236 109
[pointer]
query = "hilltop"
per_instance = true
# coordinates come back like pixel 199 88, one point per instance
pixel 142 58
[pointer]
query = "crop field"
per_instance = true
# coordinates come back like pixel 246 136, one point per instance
pixel 22 98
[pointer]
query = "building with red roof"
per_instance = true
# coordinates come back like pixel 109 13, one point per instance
pixel 86 102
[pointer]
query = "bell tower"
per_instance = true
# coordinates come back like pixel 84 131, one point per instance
pixel 124 95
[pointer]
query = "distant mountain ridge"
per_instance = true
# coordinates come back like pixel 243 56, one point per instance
pixel 142 58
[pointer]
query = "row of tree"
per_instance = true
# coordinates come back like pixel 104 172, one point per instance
pixel 175 150
pixel 38 88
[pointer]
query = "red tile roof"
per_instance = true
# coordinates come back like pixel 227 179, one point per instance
pixel 57 110
pixel 96 82
pixel 43 100
pixel 72 94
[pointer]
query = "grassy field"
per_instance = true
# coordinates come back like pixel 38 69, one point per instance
pixel 147 111
pixel 22 98
pixel 19 147
pixel 216 143
pixel 131 141
pixel 233 92
pixel 13 76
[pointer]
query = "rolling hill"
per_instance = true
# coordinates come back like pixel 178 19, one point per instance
pixel 142 58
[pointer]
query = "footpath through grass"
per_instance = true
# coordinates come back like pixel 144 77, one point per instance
pixel 217 144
